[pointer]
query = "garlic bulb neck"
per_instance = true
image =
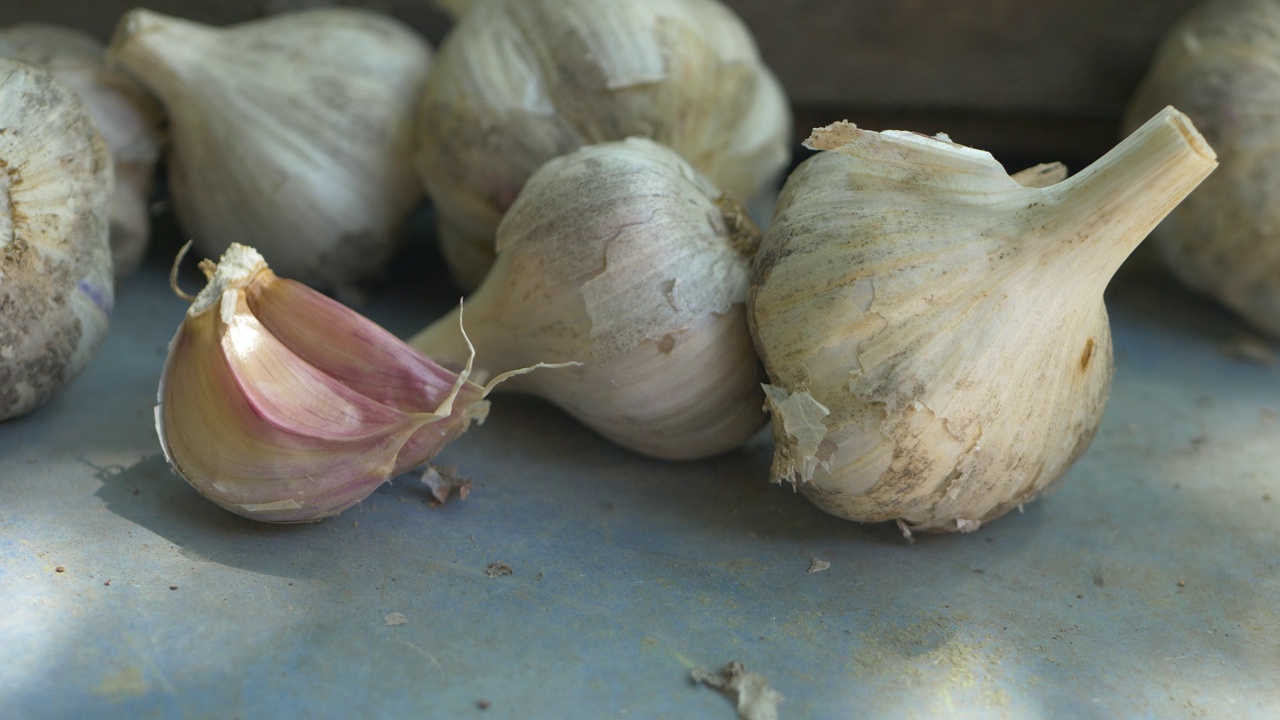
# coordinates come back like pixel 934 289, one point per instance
pixel 292 133
pixel 623 258
pixel 934 332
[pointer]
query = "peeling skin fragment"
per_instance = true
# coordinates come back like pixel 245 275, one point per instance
pixel 497 569
pixel 444 481
pixel 755 699
pixel 801 417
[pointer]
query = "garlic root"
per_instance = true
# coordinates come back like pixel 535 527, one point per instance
pixel 934 332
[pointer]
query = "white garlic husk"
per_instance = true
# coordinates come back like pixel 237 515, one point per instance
pixel 128 117
pixel 1224 241
pixel 518 82
pixel 283 405
pixel 292 133
pixel 55 263
pixel 622 257
pixel 934 332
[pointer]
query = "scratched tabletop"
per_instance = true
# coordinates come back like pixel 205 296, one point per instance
pixel 1146 585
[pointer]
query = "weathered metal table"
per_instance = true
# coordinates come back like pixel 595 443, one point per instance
pixel 1148 585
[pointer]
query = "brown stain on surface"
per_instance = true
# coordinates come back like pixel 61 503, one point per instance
pixel 1086 356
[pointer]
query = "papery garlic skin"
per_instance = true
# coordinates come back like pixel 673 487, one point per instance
pixel 282 405
pixel 128 117
pixel 934 332
pixel 55 264
pixel 1218 66
pixel 293 133
pixel 518 82
pixel 621 257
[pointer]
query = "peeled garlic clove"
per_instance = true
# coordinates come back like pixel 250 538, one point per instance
pixel 937 347
pixel 622 257
pixel 282 405
pixel 1224 241
pixel 518 82
pixel 292 133
pixel 55 265
pixel 128 117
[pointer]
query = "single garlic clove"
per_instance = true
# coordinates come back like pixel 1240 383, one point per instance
pixel 622 257
pixel 128 117
pixel 1217 65
pixel 518 82
pixel 282 405
pixel 934 332
pixel 55 265
pixel 292 133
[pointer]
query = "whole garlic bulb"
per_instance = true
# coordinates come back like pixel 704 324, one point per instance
pixel 934 332
pixel 518 82
pixel 622 257
pixel 55 264
pixel 128 117
pixel 283 405
pixel 292 133
pixel 1224 241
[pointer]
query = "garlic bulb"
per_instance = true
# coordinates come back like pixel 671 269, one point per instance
pixel 282 405
pixel 292 133
pixel 1224 241
pixel 937 347
pixel 622 257
pixel 55 265
pixel 127 116
pixel 518 82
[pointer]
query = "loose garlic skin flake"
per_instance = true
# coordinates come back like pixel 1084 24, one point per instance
pixel 1219 65
pixel 934 331
pixel 518 82
pixel 128 117
pixel 283 405
pixel 621 257
pixel 55 263
pixel 293 133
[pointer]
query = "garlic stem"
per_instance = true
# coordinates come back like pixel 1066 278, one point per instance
pixel 454 8
pixel 146 44
pixel 1106 210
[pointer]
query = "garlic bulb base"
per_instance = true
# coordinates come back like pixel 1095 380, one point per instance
pixel 56 289
pixel 128 118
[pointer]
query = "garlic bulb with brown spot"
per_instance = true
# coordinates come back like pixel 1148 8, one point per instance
pixel 55 264
pixel 622 257
pixel 518 82
pixel 1218 65
pixel 934 332
pixel 292 133
pixel 128 117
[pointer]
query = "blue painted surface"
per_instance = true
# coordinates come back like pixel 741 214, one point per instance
pixel 1145 586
